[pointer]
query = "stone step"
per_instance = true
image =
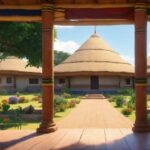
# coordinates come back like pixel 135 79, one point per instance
pixel 94 96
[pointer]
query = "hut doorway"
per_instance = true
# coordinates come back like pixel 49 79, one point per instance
pixel 94 82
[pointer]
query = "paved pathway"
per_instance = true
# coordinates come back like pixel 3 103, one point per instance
pixel 95 114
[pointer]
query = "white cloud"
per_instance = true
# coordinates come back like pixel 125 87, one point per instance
pixel 63 27
pixel 129 59
pixel 66 46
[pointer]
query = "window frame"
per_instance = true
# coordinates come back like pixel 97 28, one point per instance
pixel 33 81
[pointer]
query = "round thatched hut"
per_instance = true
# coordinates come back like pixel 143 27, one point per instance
pixel 16 76
pixel 94 67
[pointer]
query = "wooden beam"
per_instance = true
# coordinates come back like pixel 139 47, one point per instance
pixel 101 13
pixel 20 18
pixel 94 22
pixel 25 7
pixel 114 5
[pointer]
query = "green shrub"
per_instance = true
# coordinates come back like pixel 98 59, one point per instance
pixel 66 95
pixel 125 92
pixel 17 94
pixel 119 101
pixel 77 100
pixel 23 100
pixel 113 98
pixel 127 111
pixel 60 103
pixel 131 102
pixel 65 89
pixel 5 107
pixel 28 110
pixel 72 103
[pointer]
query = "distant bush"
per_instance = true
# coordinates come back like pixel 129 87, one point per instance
pixel 60 104
pixel 23 100
pixel 113 98
pixel 125 91
pixel 17 94
pixel 28 110
pixel 127 111
pixel 13 100
pixel 119 101
pixel 66 95
pixel 77 100
pixel 35 98
pixel 72 103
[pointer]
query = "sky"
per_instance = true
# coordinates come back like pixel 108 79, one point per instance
pixel 119 37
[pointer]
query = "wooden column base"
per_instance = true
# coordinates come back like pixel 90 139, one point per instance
pixel 141 128
pixel 46 127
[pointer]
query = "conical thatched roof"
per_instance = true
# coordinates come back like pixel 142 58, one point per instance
pixel 13 65
pixel 94 56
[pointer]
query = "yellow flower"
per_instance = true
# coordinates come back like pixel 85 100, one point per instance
pixel 4 101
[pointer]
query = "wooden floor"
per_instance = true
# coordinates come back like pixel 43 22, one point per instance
pixel 75 139
pixel 95 114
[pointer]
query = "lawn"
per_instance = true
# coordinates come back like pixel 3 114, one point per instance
pixel 132 115
pixel 59 114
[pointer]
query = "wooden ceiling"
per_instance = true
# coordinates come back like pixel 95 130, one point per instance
pixel 68 12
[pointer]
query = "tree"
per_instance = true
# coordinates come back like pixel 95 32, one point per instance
pixel 60 56
pixel 22 40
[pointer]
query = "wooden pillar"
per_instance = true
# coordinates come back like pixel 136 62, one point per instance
pixel 141 68
pixel 47 124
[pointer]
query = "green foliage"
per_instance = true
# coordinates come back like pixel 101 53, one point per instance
pixel 23 40
pixel 131 102
pixel 125 91
pixel 72 103
pixel 77 100
pixel 66 95
pixel 23 100
pixel 17 94
pixel 119 101
pixel 5 107
pixel 127 111
pixel 60 56
pixel 65 89
pixel 113 98
pixel 28 110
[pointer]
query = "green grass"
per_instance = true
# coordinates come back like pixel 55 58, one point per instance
pixel 36 104
pixel 34 124
pixel 131 116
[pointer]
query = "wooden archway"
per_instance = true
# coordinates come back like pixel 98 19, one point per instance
pixel 85 12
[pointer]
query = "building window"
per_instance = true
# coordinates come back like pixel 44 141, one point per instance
pixel 8 80
pixel 33 81
pixel 128 81
pixel 61 81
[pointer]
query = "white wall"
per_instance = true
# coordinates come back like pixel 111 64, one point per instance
pixel 22 83
pixel 108 81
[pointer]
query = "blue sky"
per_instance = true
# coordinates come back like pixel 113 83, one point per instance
pixel 119 37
